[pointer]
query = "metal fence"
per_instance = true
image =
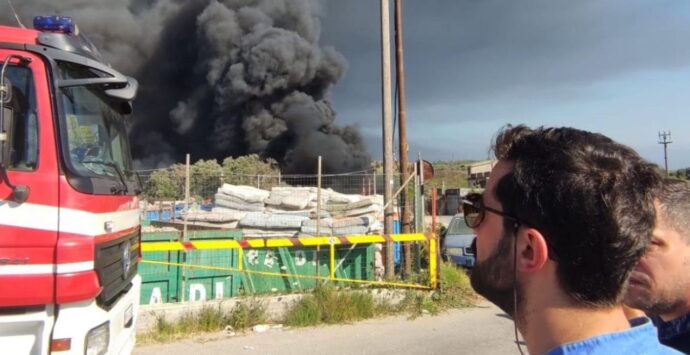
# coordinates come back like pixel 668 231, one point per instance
pixel 164 190
pixel 185 272
pixel 169 184
pixel 214 265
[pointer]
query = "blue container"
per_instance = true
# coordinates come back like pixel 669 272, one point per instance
pixel 163 216
pixel 397 248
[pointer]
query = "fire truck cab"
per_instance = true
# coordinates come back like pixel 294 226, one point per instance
pixel 69 220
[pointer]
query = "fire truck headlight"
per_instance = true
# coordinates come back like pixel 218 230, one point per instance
pixel 97 340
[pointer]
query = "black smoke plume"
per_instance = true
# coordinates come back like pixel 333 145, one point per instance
pixel 222 78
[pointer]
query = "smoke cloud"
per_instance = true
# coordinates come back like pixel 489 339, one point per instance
pixel 222 78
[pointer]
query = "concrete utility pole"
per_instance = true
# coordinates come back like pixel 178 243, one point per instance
pixel 665 139
pixel 387 132
pixel 402 131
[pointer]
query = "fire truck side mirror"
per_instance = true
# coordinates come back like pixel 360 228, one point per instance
pixel 126 93
pixel 20 193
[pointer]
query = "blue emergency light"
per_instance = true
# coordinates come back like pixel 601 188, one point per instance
pixel 60 24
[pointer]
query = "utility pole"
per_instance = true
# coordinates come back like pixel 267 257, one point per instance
pixel 402 132
pixel 387 132
pixel 665 139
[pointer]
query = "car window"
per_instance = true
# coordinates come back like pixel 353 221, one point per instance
pixel 21 115
pixel 457 226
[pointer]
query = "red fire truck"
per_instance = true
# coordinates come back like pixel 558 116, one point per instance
pixel 69 221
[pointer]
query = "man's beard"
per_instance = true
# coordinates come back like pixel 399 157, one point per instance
pixel 493 278
pixel 656 302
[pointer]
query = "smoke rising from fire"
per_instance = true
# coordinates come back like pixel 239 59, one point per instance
pixel 222 78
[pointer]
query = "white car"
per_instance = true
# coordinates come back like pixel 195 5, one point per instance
pixel 457 243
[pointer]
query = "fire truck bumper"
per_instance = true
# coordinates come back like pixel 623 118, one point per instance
pixel 89 326
pixel 26 330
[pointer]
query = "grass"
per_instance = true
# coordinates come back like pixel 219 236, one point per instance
pixel 455 291
pixel 451 174
pixel 246 313
pixel 326 304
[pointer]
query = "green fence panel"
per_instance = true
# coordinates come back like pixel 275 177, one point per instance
pixel 160 283
pixel 165 283
pixel 204 284
pixel 302 261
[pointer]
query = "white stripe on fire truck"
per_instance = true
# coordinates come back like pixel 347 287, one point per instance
pixel 33 216
pixel 37 269
pixel 74 267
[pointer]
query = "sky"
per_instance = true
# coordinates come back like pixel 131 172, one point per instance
pixel 617 67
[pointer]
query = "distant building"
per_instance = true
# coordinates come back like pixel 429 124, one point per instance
pixel 478 173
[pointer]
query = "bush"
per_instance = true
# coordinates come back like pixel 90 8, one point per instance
pixel 455 288
pixel 206 176
pixel 245 169
pixel 245 314
pixel 248 314
pixel 306 312
pixel 455 291
pixel 327 304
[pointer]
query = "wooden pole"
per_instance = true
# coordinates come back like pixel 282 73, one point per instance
pixel 402 131
pixel 387 131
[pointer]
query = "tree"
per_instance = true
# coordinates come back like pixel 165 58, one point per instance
pixel 205 179
pixel 251 170
pixel 206 176
pixel 164 185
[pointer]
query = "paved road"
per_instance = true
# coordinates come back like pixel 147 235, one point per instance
pixel 484 330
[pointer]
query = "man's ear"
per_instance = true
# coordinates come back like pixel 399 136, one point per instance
pixel 532 252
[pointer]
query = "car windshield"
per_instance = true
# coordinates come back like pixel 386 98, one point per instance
pixel 458 226
pixel 96 133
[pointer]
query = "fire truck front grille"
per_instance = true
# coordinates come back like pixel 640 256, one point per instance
pixel 116 266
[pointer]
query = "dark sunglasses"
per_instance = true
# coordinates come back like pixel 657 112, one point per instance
pixel 474 211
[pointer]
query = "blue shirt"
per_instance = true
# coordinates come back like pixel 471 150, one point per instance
pixel 675 333
pixel 641 338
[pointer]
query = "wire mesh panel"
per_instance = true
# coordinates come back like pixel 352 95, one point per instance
pixel 211 268
pixel 268 206
pixel 159 271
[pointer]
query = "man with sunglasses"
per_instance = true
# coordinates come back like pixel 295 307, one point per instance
pixel 565 217
pixel 660 283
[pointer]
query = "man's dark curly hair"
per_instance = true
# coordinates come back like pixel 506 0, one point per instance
pixel 590 197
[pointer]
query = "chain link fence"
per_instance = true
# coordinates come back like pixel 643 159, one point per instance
pixel 225 205
pixel 164 193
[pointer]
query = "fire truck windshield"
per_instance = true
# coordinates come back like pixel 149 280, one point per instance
pixel 94 130
pixel 96 134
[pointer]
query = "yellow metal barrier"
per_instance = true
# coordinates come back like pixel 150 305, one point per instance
pixel 240 245
pixel 276 274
